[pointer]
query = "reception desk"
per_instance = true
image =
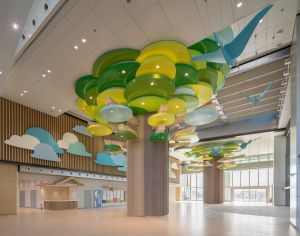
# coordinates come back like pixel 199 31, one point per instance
pixel 60 204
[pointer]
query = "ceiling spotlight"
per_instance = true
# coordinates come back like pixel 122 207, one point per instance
pixel 48 71
pixel 261 20
pixel 0 72
pixel 76 47
pixel 123 72
pixel 59 110
pixel 83 40
pixel 15 26
pixel 152 83
pixel 53 107
pixel 157 67
pixel 239 4
pixel 25 91
pixel 21 94
pixel 186 74
pixel 44 75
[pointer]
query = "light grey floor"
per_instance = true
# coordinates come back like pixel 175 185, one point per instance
pixel 185 218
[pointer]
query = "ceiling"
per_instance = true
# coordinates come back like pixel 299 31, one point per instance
pixel 112 24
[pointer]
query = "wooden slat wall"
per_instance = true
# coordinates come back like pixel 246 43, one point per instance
pixel 16 119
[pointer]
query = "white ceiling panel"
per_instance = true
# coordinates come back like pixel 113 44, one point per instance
pixel 113 14
pixel 188 31
pixel 137 7
pixel 132 36
pixel 94 30
pixel 108 25
pixel 153 22
pixel 178 11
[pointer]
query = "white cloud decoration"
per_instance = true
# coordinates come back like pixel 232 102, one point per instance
pixel 25 141
pixel 68 138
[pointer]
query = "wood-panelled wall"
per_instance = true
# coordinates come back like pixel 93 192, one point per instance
pixel 16 119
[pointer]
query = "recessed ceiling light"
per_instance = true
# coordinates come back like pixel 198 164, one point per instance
pixel 0 72
pixel 157 67
pixel 15 26
pixel 76 47
pixel 186 74
pixel 239 4
pixel 123 72
pixel 48 71
pixel 91 97
pixel 59 110
pixel 21 94
pixel 53 107
pixel 83 40
pixel 44 75
pixel 152 83
pixel 261 20
pixel 25 91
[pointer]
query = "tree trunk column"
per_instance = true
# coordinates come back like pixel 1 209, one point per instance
pixel 213 184
pixel 148 174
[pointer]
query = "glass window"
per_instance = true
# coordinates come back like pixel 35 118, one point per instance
pixel 227 194
pixel 200 180
pixel 183 180
pixel 227 178
pixel 261 195
pixel 199 194
pixel 193 180
pixel 263 177
pixel 254 177
pixel 244 177
pixel 252 195
pixel 236 178
pixel 193 194
pixel 270 176
pixel 238 194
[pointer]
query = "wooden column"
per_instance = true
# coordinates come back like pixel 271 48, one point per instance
pixel 213 184
pixel 8 189
pixel 148 174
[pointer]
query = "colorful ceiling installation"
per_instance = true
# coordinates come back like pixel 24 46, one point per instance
pixel 165 77
pixel 200 156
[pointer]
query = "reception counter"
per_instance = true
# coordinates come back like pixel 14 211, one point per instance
pixel 60 204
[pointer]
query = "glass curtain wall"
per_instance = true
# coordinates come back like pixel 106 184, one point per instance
pixel 250 185
pixel 192 187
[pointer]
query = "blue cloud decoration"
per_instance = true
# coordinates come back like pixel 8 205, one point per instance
pixel 82 130
pixel 45 152
pixel 107 159
pixel 44 137
pixel 78 148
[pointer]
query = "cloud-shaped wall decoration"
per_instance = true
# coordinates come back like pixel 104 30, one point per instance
pixel 174 166
pixel 45 152
pixel 68 138
pixel 122 168
pixel 82 130
pixel 119 159
pixel 104 158
pixel 172 175
pixel 24 141
pixel 44 137
pixel 78 148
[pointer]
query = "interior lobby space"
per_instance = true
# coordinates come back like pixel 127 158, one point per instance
pixel 150 117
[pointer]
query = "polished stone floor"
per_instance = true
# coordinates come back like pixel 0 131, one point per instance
pixel 186 218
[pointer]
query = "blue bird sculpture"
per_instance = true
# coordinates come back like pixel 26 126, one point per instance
pixel 229 52
pixel 254 100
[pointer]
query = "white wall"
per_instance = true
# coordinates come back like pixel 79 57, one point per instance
pixel 279 170
pixel 28 182
pixel 172 193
